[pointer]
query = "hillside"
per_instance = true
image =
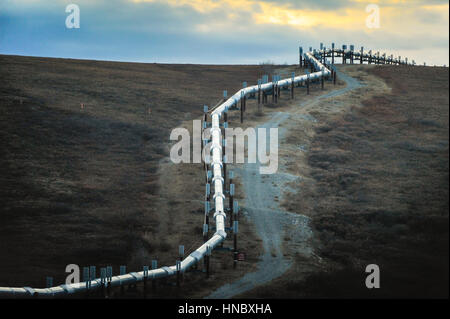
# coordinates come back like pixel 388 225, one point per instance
pixel 81 143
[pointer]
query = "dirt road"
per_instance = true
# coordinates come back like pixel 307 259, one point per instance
pixel 263 194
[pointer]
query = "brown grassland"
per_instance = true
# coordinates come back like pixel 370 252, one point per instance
pixel 85 176
pixel 93 185
pixel 375 185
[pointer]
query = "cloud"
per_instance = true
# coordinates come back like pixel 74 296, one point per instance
pixel 227 31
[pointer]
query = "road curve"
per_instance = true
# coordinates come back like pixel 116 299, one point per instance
pixel 266 215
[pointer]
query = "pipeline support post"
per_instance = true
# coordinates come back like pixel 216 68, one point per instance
pixel 103 281
pixel 232 190
pixel 207 260
pixel 242 113
pixel 145 271
pixel 235 251
pixel 259 95
pixel 307 83
pixel 292 86
pixel 301 56
pixel 109 273
pixel 178 269
pixel 154 266
pixel 122 271
pixel 332 53
pixel 322 78
pixel 361 56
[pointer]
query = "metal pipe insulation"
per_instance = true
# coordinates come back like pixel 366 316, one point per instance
pixel 219 199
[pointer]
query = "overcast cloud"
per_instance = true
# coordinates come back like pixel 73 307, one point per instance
pixel 226 32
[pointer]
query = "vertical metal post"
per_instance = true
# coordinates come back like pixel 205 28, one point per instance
pixel 232 190
pixel 352 49
pixel 344 57
pixel 307 83
pixel 321 53
pixel 334 76
pixel 207 261
pixel 207 205
pixel 361 59
pixel 300 49
pixel 235 251
pixel 92 274
pixel 244 85
pixel 259 94
pixel 123 271
pixel 278 89
pixel 332 53
pixel 231 176
pixel 103 281
pixel 204 125
pixel 154 266
pixel 180 258
pixel 87 280
pixel 49 282
pixel 292 85
pixel 322 77
pixel 273 90
pixel 109 273
pixel 178 269
pixel 145 270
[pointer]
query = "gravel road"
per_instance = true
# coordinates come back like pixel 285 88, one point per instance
pixel 263 193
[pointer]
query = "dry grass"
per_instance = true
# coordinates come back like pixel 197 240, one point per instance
pixel 84 175
pixel 376 187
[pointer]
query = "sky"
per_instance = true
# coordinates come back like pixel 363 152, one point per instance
pixel 223 31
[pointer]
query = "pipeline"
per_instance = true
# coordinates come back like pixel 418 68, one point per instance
pixel 219 197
